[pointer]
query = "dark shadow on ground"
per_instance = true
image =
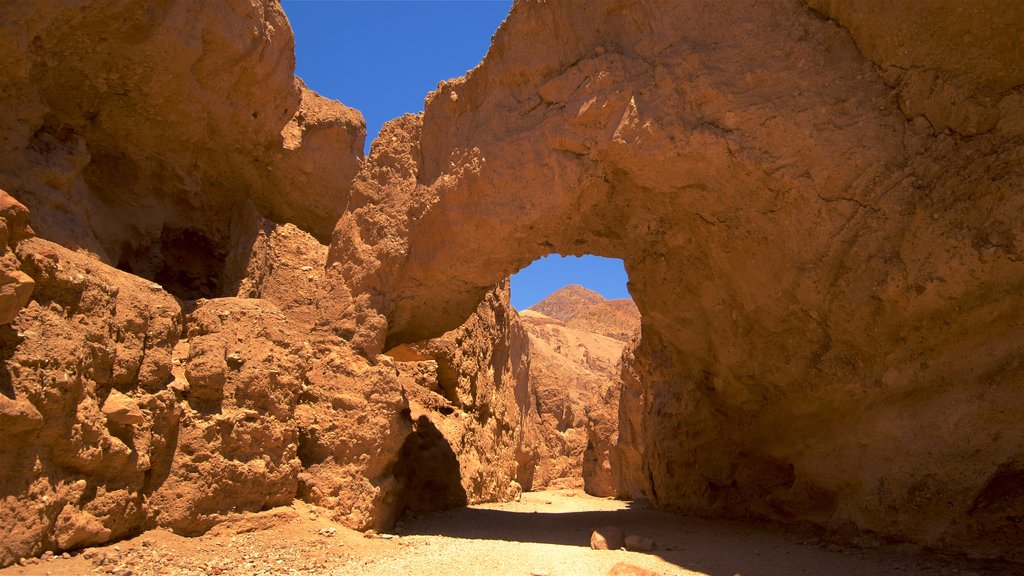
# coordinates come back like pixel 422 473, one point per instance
pixel 713 547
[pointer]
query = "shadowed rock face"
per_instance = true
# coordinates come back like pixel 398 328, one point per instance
pixel 829 282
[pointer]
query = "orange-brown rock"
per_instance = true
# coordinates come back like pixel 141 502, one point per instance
pixel 829 282
pixel 91 337
pixel 820 219
pixel 160 146
pixel 587 310
pixel 120 411
pixel 137 144
pixel 472 397
pixel 575 373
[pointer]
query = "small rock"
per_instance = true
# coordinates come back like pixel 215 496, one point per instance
pixel 15 292
pixel 121 409
pixel 607 538
pixel 636 543
pixel 538 572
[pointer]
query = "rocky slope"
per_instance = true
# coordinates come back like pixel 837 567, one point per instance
pixel 820 227
pixel 575 373
pixel 170 350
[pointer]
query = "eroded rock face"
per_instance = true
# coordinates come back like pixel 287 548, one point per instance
pixel 123 411
pixel 137 143
pixel 575 372
pixel 157 158
pixel 829 279
pixel 73 474
pixel 829 283
pixel 472 396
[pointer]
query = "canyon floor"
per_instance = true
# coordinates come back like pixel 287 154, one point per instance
pixel 547 533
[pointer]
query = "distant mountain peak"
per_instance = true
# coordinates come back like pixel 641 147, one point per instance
pixel 585 309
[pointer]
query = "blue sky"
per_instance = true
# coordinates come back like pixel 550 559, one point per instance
pixel 383 57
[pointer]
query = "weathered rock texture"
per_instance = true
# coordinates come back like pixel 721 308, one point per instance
pixel 169 351
pixel 575 374
pixel 136 143
pixel 821 220
pixel 830 281
pixel 471 390
pixel 123 410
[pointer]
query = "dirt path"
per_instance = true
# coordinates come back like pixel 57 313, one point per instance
pixel 547 533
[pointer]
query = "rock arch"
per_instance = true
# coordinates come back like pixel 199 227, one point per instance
pixel 828 284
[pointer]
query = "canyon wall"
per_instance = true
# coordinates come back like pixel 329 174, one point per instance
pixel 169 344
pixel 821 227
pixel 817 205
pixel 577 338
pixel 471 388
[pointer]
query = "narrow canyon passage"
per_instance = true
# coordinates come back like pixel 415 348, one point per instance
pixel 223 317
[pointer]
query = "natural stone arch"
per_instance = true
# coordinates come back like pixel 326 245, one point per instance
pixel 809 262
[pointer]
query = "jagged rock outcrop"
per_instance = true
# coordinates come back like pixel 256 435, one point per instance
pixel 172 352
pixel 471 390
pixel 169 352
pixel 575 373
pixel 819 217
pixel 123 410
pixel 829 281
pixel 137 143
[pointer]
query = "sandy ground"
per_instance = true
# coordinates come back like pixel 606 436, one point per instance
pixel 548 533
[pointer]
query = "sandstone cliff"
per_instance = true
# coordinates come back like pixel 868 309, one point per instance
pixel 829 277
pixel 170 350
pixel 817 205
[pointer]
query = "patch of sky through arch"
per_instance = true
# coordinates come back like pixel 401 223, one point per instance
pixel 606 276
pixel 383 57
